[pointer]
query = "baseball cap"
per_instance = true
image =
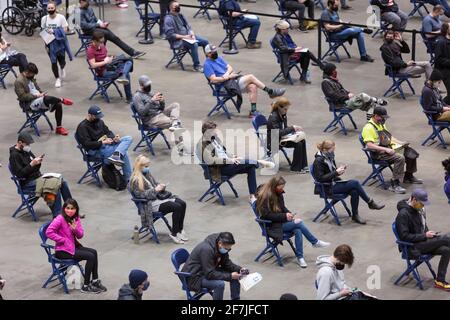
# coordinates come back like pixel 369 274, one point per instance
pixel 25 137
pixel 380 111
pixel 421 195
pixel 144 81
pixel 96 111
pixel 210 48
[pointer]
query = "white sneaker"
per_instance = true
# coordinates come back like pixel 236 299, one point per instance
pixel 63 73
pixel 176 126
pixel 302 262
pixel 267 164
pixel 176 239
pixel 182 237
pixel 321 244
pixel 58 83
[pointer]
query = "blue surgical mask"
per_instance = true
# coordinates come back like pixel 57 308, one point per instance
pixel 223 250
pixel 146 170
pixel 146 285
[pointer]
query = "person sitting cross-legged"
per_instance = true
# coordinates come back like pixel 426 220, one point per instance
pixel 391 13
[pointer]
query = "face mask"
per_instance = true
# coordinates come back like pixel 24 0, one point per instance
pixel 95 120
pixel 26 148
pixel 146 285
pixel 145 170
pixel 51 12
pixel 389 40
pixel 336 8
pixel 177 9
pixel 279 190
pixel 224 251
pixel 418 206
pixel 334 74
pixel 214 55
pixel 340 266
pixel 329 154
pixel 70 212
pixel 30 77
pixel 382 121
pixel 147 89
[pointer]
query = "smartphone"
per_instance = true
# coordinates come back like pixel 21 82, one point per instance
pixel 42 156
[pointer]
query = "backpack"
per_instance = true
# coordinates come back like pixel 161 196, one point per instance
pixel 113 177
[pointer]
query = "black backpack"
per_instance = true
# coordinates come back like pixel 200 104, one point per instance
pixel 113 177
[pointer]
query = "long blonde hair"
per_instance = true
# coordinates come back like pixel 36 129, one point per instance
pixel 266 195
pixel 137 175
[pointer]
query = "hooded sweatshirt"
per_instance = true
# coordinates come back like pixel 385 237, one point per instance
pixel 329 280
pixel 128 293
pixel 447 186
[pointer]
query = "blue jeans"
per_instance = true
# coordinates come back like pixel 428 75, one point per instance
pixel 218 286
pixel 354 189
pixel 193 48
pixel 299 230
pixel 351 33
pixel 64 193
pixel 246 166
pixel 124 72
pixel 253 24
pixel 122 147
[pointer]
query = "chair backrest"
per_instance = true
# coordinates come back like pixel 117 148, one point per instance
pixel 428 114
pixel 331 105
pixel 364 149
pixel 259 220
pixel 16 180
pixel 259 121
pixel 42 234
pixel 81 148
pixel 275 51
pixel 179 257
pixel 321 187
pixel 136 116
pixel 389 70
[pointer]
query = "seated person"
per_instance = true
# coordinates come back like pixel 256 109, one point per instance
pixel 326 171
pixel 117 68
pixel 341 98
pixel 391 52
pixel 180 34
pixel 300 7
pixel 270 206
pixel 10 56
pixel 66 230
pixel 144 186
pixel 99 141
pixel 137 284
pixel 432 100
pixel 89 23
pixel 217 70
pixel 442 57
pixel 26 166
pixel 391 13
pixel 383 146
pixel 277 121
pixel 210 266
pixel 446 165
pixel 443 3
pixel 412 227
pixel 241 20
pixel 211 151
pixel 31 97
pixel 337 31
pixel 289 52
pixel 330 282
pixel 154 113
pixel 431 25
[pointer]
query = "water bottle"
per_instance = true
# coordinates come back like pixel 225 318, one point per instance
pixel 136 235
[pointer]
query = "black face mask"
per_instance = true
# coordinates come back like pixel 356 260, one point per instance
pixel 95 120
pixel 336 8
pixel 147 89
pixel 30 77
pixel 382 121
pixel 51 12
pixel 389 41
pixel 177 9
pixel 340 266
pixel 214 55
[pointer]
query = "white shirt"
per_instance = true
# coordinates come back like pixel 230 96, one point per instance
pixel 52 23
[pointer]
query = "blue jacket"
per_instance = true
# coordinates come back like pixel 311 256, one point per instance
pixel 59 45
pixel 88 20
pixel 171 28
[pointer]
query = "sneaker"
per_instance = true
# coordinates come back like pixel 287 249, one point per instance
pixel 66 101
pixel 356 218
pixel 412 180
pixel 302 262
pixel 198 68
pixel 98 284
pixel 302 28
pixel 182 237
pixel 116 159
pixel 162 36
pixel 305 79
pixel 367 58
pixel 252 114
pixel 375 206
pixel 306 169
pixel 303 171
pixel 267 164
pixel 277 93
pixel 176 239
pixel 138 54
pixel 176 126
pixel 396 188
pixel 442 285
pixel 367 31
pixel 183 233
pixel 123 81
pixel 58 83
pixel 62 131
pixel 321 244
pixel 381 102
pixel 63 73
pixel 253 45
pixel 90 289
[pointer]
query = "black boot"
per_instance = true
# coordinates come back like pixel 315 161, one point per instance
pixel 375 206
pixel 358 219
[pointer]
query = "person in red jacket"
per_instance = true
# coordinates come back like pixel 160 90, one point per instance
pixel 65 230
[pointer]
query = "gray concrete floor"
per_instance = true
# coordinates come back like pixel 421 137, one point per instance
pixel 111 216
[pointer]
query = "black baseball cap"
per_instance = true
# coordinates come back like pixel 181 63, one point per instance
pixel 95 111
pixel 380 111
pixel 25 137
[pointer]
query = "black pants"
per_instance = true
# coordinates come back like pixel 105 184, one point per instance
pixel 300 8
pixel 17 60
pixel 163 9
pixel 439 246
pixel 446 81
pixel 178 207
pixel 54 104
pixel 110 36
pixel 300 160
pixel 82 253
pixel 60 59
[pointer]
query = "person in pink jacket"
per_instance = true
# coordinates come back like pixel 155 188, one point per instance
pixel 65 230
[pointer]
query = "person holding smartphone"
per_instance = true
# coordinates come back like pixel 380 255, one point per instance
pixel 326 171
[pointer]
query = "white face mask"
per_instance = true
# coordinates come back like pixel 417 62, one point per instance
pixel 27 148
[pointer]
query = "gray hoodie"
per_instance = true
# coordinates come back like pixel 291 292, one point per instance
pixel 127 293
pixel 329 280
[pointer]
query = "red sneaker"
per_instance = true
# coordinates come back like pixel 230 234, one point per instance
pixel 61 131
pixel 66 101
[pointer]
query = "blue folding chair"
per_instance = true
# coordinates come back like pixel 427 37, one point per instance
pixel 338 118
pixel 147 134
pixel 436 126
pixel 271 244
pixel 93 164
pixel 377 167
pixel 28 199
pixel 287 15
pixel 411 267
pixel 85 41
pixel 102 86
pixel 178 56
pixel 59 266
pixel 330 199
pixel 234 32
pixel 4 70
pixel 143 230
pixel 293 64
pixel 397 80
pixel 31 119
pixel 259 121
pixel 206 5
pixel 179 257
pixel 417 4
pixel 320 3
pixel 384 25
pixel 334 45
pixel 222 97
pixel 154 18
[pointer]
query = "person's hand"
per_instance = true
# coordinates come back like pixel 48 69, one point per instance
pixel 298 128
pixel 36 161
pixel 345 292
pixel 50 30
pixel 430 234
pixel 390 152
pixel 160 188
pixel 235 275
pixel 236 160
pixel 233 75
pixel 108 60
pixel 107 141
pixel 116 138
pixel 297 221
pixel 289 216
pixel 350 95
pixel 411 63
pixel 446 109
pixel 73 225
pixel 398 36
pixel 340 170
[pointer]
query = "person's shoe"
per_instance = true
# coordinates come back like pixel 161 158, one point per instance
pixel 176 239
pixel 358 219
pixel 375 206
pixel 58 83
pixel 198 68
pixel 277 93
pixel 123 81
pixel 412 180
pixel 254 45
pixel 302 28
pixel 267 164
pixel 367 31
pixel 304 78
pixel 381 101
pixel 181 237
pixel 66 101
pixel 367 58
pixel 138 54
pixel 90 289
pixel 299 171
pixel 443 285
pixel 63 73
pixel 253 114
pixel 176 126
pixel 116 159
pixel 62 131
pixel 306 169
pixel 162 36
pixel 396 188
pixel 321 244
pixel 346 7
pixel 183 233
pixel 123 5
pixel 302 262
pixel 98 284
pixel 258 42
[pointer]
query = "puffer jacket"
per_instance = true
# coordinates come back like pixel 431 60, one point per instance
pixel 64 237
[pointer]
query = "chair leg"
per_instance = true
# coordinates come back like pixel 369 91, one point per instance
pixel 431 269
pixel 232 188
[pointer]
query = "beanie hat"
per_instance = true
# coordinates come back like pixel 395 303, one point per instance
pixel 329 68
pixel 436 75
pixel 137 277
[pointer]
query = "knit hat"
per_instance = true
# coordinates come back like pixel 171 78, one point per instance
pixel 329 68
pixel 436 75
pixel 137 277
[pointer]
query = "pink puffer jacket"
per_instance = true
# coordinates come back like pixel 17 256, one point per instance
pixel 64 237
